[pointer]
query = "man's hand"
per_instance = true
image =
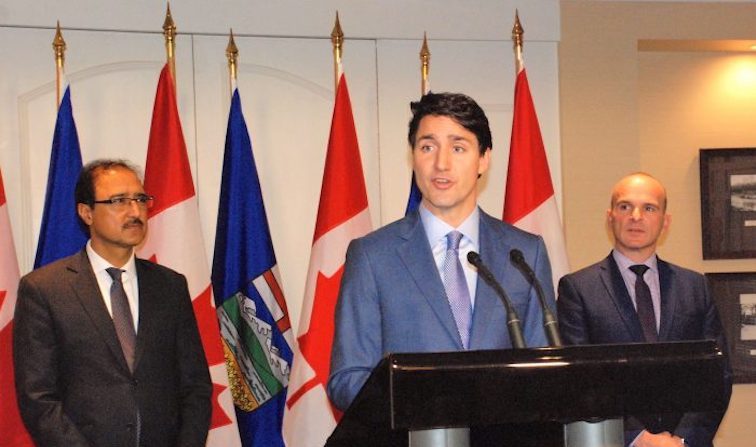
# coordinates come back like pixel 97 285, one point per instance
pixel 663 439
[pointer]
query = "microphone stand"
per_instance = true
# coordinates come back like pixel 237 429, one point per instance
pixel 513 321
pixel 550 324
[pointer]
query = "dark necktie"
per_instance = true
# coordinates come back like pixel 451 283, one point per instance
pixel 644 305
pixel 122 319
pixel 456 287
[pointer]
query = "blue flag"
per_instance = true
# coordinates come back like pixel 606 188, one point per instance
pixel 61 234
pixel 252 313
pixel 415 197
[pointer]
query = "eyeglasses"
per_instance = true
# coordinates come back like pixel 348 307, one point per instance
pixel 122 203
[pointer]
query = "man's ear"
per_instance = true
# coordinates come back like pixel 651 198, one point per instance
pixel 85 213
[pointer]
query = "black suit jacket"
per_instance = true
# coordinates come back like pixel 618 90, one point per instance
pixel 74 386
pixel 594 307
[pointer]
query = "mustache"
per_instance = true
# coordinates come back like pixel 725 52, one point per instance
pixel 133 221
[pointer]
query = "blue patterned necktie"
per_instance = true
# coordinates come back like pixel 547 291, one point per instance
pixel 456 287
pixel 122 319
pixel 644 305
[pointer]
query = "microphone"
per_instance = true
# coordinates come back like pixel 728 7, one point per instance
pixel 550 324
pixel 513 321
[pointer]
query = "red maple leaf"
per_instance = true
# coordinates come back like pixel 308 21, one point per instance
pixel 207 321
pixel 211 342
pixel 315 344
pixel 219 417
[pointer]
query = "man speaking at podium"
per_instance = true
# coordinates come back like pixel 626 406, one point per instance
pixel 408 287
pixel 633 296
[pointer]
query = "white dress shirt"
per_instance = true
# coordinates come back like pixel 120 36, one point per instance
pixel 104 281
pixel 436 230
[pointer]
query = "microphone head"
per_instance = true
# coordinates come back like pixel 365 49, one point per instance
pixel 516 256
pixel 474 258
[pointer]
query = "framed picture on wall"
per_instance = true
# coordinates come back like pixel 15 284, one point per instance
pixel 728 203
pixel 735 297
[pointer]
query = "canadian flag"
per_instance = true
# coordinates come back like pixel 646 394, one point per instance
pixel 530 203
pixel 343 214
pixel 12 430
pixel 175 240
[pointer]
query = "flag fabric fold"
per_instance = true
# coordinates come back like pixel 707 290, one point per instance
pixel 61 233
pixel 252 311
pixel 12 430
pixel 530 202
pixel 343 215
pixel 415 197
pixel 175 240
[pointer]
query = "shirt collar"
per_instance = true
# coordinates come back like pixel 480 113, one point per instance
pixel 99 264
pixel 624 263
pixel 436 229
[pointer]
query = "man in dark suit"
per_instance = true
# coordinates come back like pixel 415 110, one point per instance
pixel 398 293
pixel 87 372
pixel 633 296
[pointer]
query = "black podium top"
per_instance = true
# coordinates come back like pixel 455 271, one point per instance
pixel 480 388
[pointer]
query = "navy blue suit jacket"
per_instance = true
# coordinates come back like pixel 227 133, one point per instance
pixel 594 307
pixel 392 299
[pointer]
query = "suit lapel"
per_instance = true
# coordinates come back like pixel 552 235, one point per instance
pixel 487 303
pixel 417 257
pixel 668 299
pixel 615 285
pixel 87 291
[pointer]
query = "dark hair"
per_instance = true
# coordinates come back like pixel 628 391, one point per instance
pixel 85 185
pixel 461 108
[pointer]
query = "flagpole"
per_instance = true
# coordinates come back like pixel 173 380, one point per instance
pixel 169 31
pixel 517 33
pixel 424 66
pixel 59 47
pixel 337 39
pixel 232 53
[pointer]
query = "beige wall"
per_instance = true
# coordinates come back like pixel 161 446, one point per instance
pixel 624 110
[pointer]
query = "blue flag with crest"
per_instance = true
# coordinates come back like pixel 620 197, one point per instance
pixel 252 312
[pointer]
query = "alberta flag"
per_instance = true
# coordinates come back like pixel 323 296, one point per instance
pixel 61 234
pixel 254 320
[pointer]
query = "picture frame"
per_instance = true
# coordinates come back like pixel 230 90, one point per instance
pixel 735 298
pixel 728 203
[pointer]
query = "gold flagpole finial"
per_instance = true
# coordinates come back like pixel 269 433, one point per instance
pixel 517 33
pixel 337 39
pixel 169 31
pixel 425 55
pixel 232 53
pixel 59 47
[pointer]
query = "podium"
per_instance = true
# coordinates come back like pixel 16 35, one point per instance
pixel 530 390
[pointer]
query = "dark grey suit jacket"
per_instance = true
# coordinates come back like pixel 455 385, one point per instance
pixel 74 386
pixel 594 307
